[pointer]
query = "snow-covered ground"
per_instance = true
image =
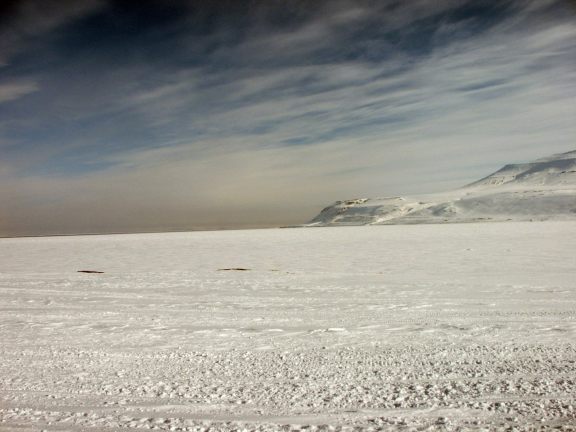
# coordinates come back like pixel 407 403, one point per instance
pixel 377 328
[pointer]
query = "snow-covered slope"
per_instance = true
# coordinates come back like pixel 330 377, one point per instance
pixel 540 190
pixel 556 170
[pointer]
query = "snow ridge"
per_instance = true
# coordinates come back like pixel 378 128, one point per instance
pixel 544 189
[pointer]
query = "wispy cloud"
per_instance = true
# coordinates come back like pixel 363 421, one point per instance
pixel 16 89
pixel 24 20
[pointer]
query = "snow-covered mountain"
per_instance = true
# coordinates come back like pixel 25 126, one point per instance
pixel 540 190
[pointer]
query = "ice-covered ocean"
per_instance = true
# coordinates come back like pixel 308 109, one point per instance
pixel 417 327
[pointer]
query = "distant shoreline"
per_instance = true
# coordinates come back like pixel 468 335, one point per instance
pixel 144 232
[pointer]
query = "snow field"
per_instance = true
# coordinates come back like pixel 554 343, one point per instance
pixel 428 327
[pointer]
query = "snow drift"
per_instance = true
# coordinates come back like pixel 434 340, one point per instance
pixel 541 190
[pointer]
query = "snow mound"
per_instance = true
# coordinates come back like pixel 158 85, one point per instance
pixel 541 190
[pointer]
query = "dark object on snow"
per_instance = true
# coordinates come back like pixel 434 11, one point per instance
pixel 89 271
pixel 234 269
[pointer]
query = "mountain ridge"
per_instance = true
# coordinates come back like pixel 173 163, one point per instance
pixel 544 189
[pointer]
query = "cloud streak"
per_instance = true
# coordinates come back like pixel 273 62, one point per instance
pixel 10 91
pixel 22 21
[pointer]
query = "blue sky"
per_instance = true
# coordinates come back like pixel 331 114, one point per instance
pixel 151 115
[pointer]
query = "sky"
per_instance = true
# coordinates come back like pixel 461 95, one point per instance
pixel 152 115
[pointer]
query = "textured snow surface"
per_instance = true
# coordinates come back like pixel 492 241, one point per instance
pixel 541 190
pixel 420 327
